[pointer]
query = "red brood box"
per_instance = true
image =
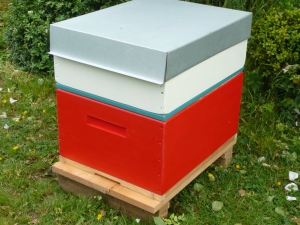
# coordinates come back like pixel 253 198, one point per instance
pixel 148 153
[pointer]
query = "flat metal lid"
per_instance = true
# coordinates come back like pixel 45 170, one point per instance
pixel 152 40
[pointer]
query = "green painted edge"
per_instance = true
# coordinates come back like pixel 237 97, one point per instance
pixel 111 102
pixel 161 117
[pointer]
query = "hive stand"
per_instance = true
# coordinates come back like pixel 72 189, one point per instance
pixel 225 159
pixel 77 188
pixel 130 199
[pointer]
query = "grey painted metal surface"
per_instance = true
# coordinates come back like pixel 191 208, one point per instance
pixel 152 40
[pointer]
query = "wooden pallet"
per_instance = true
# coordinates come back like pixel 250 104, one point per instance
pixel 124 195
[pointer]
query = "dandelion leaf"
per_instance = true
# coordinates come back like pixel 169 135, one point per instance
pixel 280 211
pixel 270 198
pixel 198 187
pixel 217 206
pixel 158 221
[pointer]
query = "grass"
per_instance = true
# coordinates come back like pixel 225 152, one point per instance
pixel 252 192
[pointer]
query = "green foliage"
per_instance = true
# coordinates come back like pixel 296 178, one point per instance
pixel 2 41
pixel 27 31
pixel 286 87
pixel 158 221
pixel 4 5
pixel 172 220
pixel 3 18
pixel 255 6
pixel 275 43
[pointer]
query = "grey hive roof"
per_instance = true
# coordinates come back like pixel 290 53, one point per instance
pixel 152 40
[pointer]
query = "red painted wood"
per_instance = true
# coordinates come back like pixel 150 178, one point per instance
pixel 112 140
pixel 149 153
pixel 193 134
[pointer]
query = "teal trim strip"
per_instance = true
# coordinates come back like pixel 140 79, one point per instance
pixel 111 102
pixel 161 117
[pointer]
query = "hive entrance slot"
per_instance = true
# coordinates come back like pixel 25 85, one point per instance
pixel 106 126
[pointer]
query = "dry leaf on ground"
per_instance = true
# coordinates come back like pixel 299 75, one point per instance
pixel 242 192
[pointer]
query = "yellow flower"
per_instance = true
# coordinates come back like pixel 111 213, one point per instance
pixel 0 158
pixel 237 166
pixel 296 81
pixel 4 101
pixel 7 135
pixel 278 183
pixel 99 217
pixel 17 121
pixel 15 148
pixel 211 177
pixel 25 112
pixel 23 117
pixel 44 111
pixel 116 217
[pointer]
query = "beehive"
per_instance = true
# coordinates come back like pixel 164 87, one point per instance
pixel 147 90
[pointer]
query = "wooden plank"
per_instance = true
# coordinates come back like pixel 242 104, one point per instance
pixel 106 186
pixel 151 97
pixel 227 154
pixel 137 212
pixel 134 198
pixel 128 209
pixel 120 181
pixel 225 159
pixel 94 181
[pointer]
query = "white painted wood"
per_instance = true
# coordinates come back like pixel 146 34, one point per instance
pixel 203 76
pixel 160 99
pixel 110 85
